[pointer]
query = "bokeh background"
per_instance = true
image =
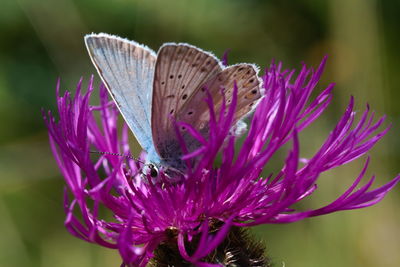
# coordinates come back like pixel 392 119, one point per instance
pixel 43 40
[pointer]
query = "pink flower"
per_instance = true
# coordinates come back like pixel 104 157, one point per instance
pixel 196 214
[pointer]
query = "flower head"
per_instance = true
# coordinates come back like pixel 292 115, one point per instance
pixel 196 214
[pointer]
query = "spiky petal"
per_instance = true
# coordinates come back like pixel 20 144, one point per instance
pixel 199 211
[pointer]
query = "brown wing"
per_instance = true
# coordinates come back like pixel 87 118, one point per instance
pixel 180 70
pixel 196 112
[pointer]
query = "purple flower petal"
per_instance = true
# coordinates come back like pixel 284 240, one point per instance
pixel 233 193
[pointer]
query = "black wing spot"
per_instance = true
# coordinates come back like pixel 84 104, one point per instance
pixel 254 91
pixel 172 111
pixel 251 80
pixel 184 96
pixel 183 87
pixel 240 69
pixel 162 83
pixel 171 76
pixel 179 76
pixel 190 113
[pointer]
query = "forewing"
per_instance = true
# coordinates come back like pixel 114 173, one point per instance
pixel 180 70
pixel 127 70
pixel 196 111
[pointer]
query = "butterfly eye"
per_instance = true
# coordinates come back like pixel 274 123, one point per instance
pixel 153 171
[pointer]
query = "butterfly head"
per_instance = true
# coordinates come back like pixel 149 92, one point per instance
pixel 152 170
pixel 158 173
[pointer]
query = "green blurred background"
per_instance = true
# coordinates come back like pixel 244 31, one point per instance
pixel 43 40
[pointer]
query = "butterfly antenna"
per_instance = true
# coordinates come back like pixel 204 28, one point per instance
pixel 116 154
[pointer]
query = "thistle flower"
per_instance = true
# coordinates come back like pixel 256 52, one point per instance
pixel 191 221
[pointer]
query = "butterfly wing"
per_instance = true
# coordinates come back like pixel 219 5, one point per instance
pixel 196 111
pixel 127 70
pixel 180 70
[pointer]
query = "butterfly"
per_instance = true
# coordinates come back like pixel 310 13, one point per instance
pixel 150 88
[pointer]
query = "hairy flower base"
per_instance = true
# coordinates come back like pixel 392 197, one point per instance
pixel 238 249
pixel 146 213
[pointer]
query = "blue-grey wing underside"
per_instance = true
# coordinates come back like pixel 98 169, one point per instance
pixel 127 69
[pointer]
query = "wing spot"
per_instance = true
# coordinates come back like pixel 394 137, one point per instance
pixel 190 113
pixel 251 80
pixel 194 65
pixel 254 91
pixel 184 96
pixel 170 96
pixel 240 69
pixel 162 83
pixel 179 76
pixel 251 104
pixel 203 69
pixel 183 128
pixel 248 72
pixel 183 87
pixel 171 76
pixel 172 111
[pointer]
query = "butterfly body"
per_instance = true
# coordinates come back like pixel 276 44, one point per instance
pixel 150 89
